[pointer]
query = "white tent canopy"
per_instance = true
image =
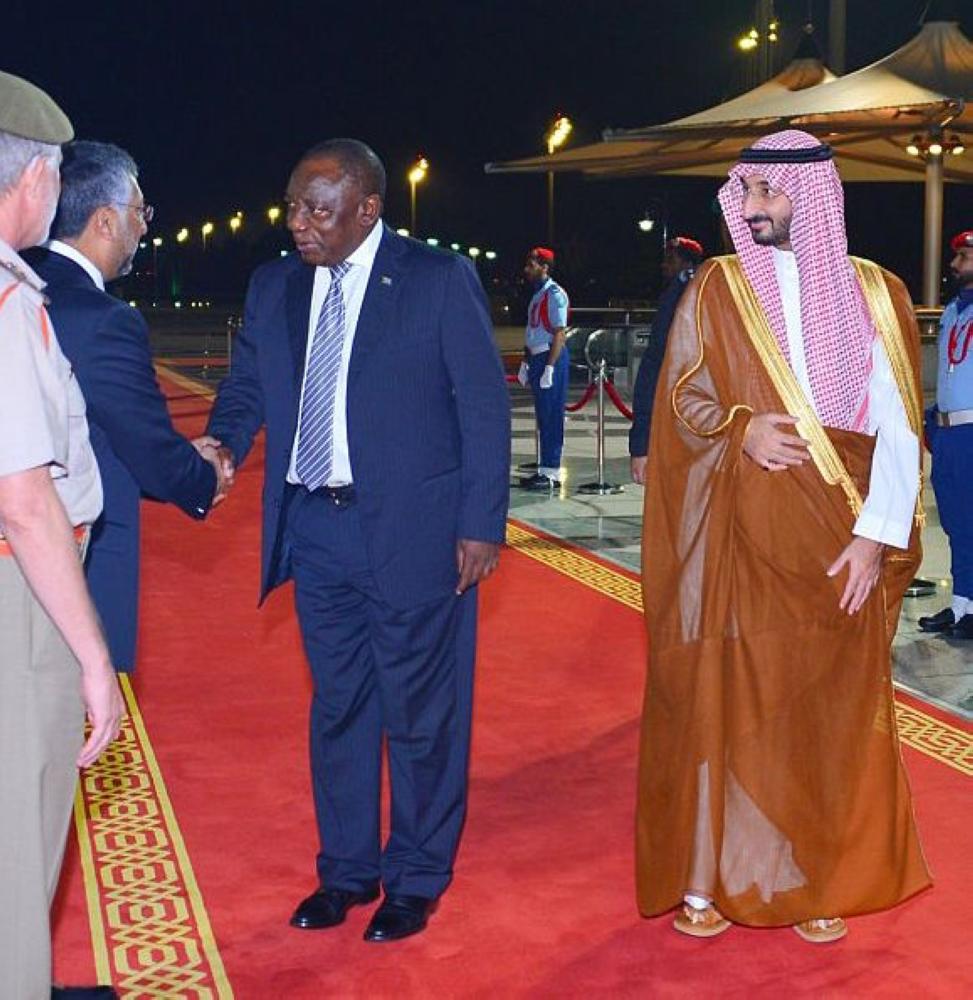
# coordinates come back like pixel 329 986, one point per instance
pixel 869 117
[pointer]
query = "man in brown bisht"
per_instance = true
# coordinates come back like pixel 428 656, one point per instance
pixel 781 529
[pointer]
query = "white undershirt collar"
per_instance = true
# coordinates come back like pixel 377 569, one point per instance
pixel 72 253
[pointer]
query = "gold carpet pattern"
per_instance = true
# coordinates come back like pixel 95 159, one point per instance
pixel 149 928
pixel 947 744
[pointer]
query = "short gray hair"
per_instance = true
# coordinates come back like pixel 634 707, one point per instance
pixel 93 174
pixel 16 154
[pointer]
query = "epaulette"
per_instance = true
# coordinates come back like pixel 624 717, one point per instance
pixel 24 278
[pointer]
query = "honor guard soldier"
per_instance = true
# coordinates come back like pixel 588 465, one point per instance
pixel 545 365
pixel 949 431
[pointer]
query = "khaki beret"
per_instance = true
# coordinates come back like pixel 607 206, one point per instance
pixel 26 111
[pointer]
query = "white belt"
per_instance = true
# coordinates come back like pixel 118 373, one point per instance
pixel 954 418
pixel 538 350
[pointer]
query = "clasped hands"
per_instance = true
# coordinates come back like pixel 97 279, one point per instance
pixel 773 446
pixel 221 458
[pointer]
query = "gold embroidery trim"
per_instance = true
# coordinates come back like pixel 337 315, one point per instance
pixel 823 453
pixel 739 407
pixel 879 303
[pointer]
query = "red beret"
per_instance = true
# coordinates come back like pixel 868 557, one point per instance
pixel 543 255
pixel 687 243
pixel 961 241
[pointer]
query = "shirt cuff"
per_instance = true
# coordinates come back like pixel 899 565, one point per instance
pixel 884 530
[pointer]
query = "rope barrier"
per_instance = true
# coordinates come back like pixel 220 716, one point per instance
pixel 570 407
pixel 583 401
pixel 618 401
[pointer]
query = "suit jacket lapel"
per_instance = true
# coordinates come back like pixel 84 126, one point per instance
pixel 300 284
pixel 375 319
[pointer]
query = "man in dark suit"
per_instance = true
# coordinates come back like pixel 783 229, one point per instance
pixel 682 256
pixel 101 217
pixel 370 359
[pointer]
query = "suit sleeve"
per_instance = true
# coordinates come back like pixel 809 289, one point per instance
pixel 643 395
pixel 482 405
pixel 238 412
pixel 124 398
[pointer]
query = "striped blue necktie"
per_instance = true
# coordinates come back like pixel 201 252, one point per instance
pixel 315 443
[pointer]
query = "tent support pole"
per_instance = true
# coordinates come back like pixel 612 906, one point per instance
pixel 933 240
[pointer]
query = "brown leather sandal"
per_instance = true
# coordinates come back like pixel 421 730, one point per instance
pixel 700 923
pixel 821 931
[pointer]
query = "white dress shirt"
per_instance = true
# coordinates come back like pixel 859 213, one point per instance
pixel 893 486
pixel 353 286
pixel 65 250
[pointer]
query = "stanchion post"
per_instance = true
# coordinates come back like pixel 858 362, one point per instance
pixel 601 487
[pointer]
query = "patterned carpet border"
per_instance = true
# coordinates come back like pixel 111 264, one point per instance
pixel 947 744
pixel 149 927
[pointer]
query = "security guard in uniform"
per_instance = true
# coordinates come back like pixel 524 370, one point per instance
pixel 949 431
pixel 55 668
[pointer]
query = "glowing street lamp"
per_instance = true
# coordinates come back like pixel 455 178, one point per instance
pixel 273 213
pixel 182 235
pixel 156 243
pixel 749 41
pixel 556 137
pixel 207 231
pixel 235 224
pixel 417 174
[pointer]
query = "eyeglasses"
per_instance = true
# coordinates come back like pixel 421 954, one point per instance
pixel 144 212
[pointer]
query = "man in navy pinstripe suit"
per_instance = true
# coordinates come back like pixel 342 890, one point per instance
pixel 370 360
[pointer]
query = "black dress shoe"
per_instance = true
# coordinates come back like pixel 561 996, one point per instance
pixel 942 621
pixel 541 483
pixel 399 917
pixel 328 907
pixel 963 629
pixel 83 993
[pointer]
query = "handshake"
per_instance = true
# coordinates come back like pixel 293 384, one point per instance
pixel 222 461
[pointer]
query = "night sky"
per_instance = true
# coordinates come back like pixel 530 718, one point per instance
pixel 216 100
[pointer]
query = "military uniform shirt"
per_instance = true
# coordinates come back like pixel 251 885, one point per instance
pixel 539 337
pixel 954 389
pixel 42 411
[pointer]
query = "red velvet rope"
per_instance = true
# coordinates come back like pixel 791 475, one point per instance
pixel 618 401
pixel 585 397
pixel 588 393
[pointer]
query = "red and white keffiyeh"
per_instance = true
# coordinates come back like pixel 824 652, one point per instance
pixel 837 327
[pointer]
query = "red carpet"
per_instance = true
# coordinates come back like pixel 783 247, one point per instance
pixel 543 900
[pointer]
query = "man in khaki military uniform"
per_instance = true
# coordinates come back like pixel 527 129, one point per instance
pixel 54 664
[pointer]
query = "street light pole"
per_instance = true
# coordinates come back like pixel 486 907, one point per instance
pixel 559 132
pixel 156 243
pixel 418 173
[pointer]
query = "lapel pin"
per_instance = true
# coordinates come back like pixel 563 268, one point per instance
pixel 386 280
